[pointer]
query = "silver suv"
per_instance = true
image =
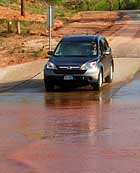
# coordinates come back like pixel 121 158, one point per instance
pixel 79 60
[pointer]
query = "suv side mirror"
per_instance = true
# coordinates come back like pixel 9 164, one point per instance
pixel 107 52
pixel 50 52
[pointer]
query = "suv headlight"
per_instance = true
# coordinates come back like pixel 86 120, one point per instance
pixel 51 66
pixel 89 66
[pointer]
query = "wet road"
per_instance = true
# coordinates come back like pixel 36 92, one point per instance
pixel 75 131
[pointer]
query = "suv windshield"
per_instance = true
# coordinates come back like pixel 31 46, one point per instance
pixel 76 48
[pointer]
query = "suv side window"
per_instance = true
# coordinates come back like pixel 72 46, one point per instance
pixel 105 44
pixel 101 49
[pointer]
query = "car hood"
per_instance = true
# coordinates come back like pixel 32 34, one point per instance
pixel 71 60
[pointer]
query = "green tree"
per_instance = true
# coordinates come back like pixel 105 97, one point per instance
pixel 119 4
pixel 110 4
pixel 131 4
pixel 55 2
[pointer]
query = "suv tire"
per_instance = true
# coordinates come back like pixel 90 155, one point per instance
pixel 98 85
pixel 109 78
pixel 48 85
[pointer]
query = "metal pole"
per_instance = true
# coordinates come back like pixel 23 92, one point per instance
pixel 50 39
pixel 50 25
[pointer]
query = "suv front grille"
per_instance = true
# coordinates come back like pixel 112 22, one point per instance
pixel 69 71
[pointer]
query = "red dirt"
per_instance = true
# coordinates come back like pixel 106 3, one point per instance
pixel 7 13
pixel 17 49
pixel 88 23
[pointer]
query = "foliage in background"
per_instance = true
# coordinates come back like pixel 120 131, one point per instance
pixel 64 9
pixel 103 4
pixel 55 2
pixel 131 4
pixel 39 6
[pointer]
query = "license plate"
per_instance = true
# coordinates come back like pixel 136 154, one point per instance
pixel 68 77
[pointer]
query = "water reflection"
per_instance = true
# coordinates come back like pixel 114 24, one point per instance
pixel 76 113
pixel 83 95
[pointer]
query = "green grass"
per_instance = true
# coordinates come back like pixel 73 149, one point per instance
pixel 26 26
pixel 62 12
pixel 37 53
pixel 104 5
pixel 36 8
pixel 8 2
pixel 33 8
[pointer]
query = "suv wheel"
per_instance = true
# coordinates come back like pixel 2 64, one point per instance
pixel 109 78
pixel 99 83
pixel 48 85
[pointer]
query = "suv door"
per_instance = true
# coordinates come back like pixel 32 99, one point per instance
pixel 106 55
pixel 103 58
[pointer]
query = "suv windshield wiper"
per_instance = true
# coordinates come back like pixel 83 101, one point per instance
pixel 72 55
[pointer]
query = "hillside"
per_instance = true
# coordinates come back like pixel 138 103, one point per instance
pixel 32 43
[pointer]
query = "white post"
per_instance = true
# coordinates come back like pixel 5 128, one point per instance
pixel 18 27
pixel 9 26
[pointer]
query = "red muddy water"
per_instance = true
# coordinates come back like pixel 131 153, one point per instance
pixel 71 136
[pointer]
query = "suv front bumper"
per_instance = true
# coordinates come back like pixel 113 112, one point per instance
pixel 86 78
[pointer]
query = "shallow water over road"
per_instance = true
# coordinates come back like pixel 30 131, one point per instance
pixel 71 131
